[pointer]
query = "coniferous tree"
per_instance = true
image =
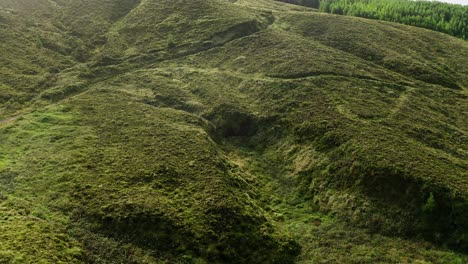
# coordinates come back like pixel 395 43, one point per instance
pixel 448 18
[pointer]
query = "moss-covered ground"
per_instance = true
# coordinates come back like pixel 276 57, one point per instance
pixel 228 132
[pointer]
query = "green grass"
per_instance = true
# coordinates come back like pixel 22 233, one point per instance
pixel 229 132
pixel 159 184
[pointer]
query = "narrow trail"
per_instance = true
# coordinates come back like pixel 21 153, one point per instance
pixel 10 119
pixel 342 109
pixel 262 77
pixel 402 101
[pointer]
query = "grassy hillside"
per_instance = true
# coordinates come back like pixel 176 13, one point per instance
pixel 33 51
pixel 228 132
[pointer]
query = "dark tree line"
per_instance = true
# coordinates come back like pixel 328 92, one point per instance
pixel 308 3
pixel 443 17
pixel 448 18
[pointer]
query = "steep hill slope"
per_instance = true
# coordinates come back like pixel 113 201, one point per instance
pixel 228 132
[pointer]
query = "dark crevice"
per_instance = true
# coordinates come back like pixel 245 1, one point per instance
pixel 229 121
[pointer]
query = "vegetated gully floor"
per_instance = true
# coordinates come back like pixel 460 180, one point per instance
pixel 277 189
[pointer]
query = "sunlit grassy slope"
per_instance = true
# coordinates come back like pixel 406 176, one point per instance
pixel 228 132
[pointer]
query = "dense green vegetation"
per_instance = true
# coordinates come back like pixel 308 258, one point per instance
pixel 448 18
pixel 248 131
pixel 443 17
